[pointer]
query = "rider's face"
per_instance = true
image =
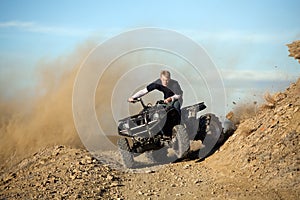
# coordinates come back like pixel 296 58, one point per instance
pixel 164 80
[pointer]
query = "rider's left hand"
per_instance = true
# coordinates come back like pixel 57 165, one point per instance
pixel 131 100
pixel 168 100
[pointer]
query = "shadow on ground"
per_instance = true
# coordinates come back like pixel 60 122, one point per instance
pixel 191 155
pixel 194 155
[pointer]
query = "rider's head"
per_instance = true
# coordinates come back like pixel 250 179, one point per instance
pixel 165 76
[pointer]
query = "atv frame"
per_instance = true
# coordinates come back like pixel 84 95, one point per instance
pixel 159 127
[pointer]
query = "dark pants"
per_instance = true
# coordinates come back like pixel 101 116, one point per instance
pixel 176 104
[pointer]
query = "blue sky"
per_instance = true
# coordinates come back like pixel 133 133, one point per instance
pixel 242 37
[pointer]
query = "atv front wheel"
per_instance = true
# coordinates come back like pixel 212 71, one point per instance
pixel 181 142
pixel 126 155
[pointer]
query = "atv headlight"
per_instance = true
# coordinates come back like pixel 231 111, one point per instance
pixel 125 126
pixel 155 116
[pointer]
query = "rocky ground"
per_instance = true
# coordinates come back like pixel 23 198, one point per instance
pixel 60 173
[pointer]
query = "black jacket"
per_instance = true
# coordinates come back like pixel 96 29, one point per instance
pixel 173 88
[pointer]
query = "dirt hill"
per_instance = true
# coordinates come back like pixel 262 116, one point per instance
pixel 60 172
pixel 265 148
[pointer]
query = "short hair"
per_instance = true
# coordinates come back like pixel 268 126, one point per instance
pixel 165 73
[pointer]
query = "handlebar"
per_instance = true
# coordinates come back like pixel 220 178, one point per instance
pixel 135 100
pixel 147 106
pixel 140 100
pixel 160 102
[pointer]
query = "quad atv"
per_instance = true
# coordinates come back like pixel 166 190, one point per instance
pixel 160 127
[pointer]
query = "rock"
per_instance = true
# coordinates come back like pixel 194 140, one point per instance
pixel 114 184
pixel 149 171
pixel 274 123
pixel 294 50
pixel 110 177
pixel 186 166
pixel 279 96
pixel 197 181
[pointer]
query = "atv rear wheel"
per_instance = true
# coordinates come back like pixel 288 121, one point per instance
pixel 213 135
pixel 126 155
pixel 181 142
pixel 214 130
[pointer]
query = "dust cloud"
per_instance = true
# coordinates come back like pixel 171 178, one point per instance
pixel 36 118
pixel 242 111
pixel 40 117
